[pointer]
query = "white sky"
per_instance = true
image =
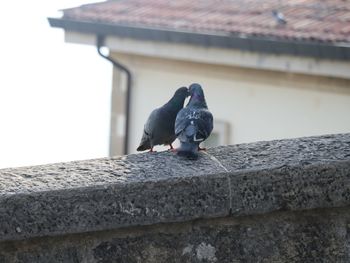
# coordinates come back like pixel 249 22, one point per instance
pixel 54 96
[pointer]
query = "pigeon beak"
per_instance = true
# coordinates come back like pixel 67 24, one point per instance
pixel 190 91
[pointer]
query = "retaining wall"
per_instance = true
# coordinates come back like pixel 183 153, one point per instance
pixel 276 201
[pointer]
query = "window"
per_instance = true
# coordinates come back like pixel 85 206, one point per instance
pixel 220 134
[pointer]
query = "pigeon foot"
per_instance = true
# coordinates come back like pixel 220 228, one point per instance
pixel 152 151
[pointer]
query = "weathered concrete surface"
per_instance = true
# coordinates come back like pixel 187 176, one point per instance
pixel 296 174
pixel 244 180
pixel 109 193
pixel 316 150
pixel 304 236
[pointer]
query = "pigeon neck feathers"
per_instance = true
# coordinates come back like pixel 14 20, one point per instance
pixel 176 102
pixel 197 99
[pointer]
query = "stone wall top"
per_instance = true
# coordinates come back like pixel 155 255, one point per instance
pixel 149 188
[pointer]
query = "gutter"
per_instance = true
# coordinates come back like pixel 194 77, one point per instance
pixel 121 67
pixel 333 51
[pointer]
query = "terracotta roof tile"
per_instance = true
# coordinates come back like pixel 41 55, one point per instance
pixel 307 20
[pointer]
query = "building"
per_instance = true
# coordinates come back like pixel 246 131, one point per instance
pixel 265 76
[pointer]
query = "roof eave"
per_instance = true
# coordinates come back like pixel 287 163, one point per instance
pixel 253 44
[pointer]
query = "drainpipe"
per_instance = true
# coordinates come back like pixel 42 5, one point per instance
pixel 116 64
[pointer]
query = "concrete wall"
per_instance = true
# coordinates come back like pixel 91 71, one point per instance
pixel 276 201
pixel 257 104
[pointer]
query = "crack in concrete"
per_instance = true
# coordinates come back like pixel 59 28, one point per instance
pixel 213 158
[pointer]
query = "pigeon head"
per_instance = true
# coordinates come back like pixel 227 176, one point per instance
pixel 182 92
pixel 197 96
pixel 179 97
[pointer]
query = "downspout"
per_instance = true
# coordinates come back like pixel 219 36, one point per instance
pixel 116 64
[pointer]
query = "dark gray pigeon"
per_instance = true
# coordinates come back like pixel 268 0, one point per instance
pixel 159 127
pixel 193 124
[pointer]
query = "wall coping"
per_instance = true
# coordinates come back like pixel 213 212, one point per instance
pixel 150 188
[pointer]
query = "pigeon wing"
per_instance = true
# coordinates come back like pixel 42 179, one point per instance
pixel 147 135
pixel 193 124
pixel 181 121
pixel 204 125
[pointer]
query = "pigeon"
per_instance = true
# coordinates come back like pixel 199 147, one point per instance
pixel 279 17
pixel 159 127
pixel 193 124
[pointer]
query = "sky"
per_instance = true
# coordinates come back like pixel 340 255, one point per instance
pixel 54 96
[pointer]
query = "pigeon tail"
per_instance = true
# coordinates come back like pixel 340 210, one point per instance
pixel 188 150
pixel 143 148
pixel 144 145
